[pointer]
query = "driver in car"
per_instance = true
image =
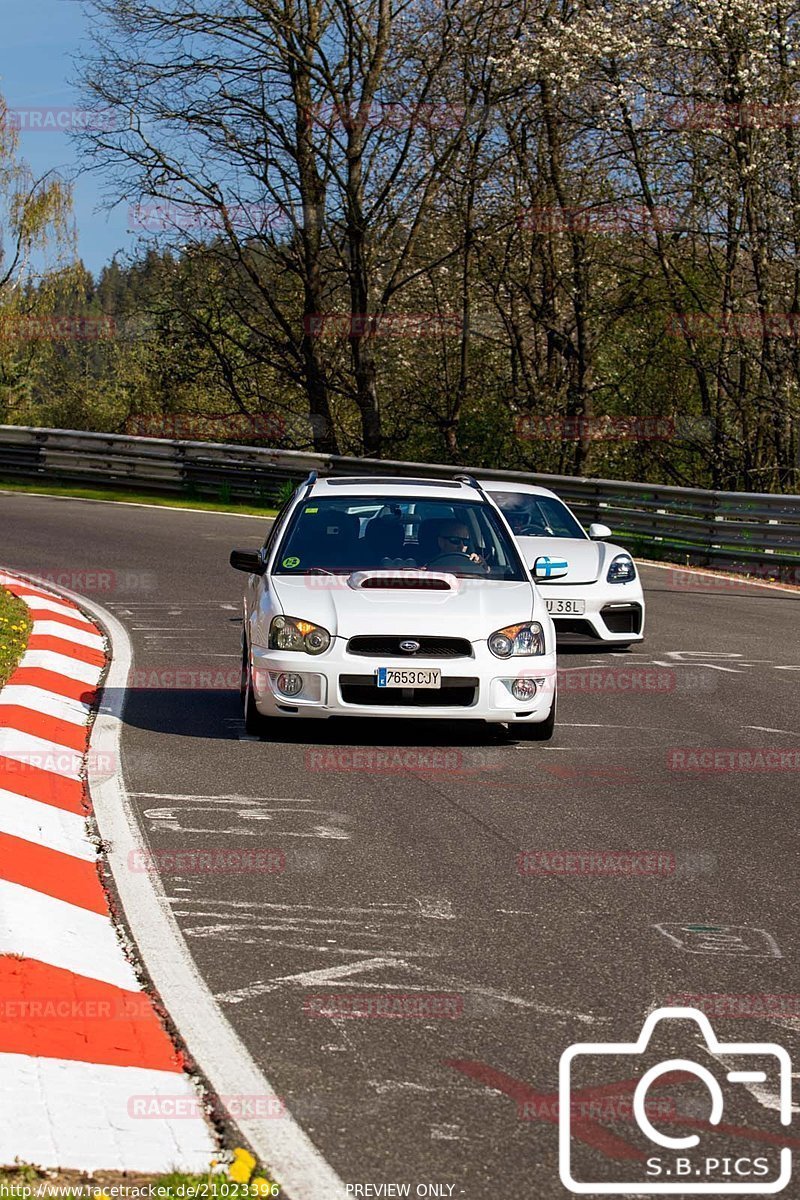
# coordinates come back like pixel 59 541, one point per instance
pixel 453 538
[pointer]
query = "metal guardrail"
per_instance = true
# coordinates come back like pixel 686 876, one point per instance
pixel 684 524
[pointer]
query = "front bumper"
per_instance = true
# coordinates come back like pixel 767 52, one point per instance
pixel 339 684
pixel 613 612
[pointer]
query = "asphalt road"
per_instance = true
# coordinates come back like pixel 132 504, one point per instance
pixel 403 877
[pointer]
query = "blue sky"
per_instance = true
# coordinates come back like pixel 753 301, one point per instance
pixel 38 40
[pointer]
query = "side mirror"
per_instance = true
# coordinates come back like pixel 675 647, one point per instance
pixel 598 532
pixel 249 561
pixel 545 568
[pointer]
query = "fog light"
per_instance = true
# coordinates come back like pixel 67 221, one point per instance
pixel 289 683
pixel 523 689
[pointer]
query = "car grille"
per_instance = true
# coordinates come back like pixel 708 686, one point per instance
pixel 429 647
pixel 454 693
pixel 623 620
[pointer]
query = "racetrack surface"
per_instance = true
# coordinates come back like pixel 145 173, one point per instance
pixel 404 877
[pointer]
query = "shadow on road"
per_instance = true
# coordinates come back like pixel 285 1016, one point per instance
pixel 217 714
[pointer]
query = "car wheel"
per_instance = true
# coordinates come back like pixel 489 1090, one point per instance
pixel 542 731
pixel 254 723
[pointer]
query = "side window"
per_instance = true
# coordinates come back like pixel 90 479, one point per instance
pixel 277 526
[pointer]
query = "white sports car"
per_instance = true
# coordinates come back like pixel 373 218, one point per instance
pixel 599 596
pixel 395 598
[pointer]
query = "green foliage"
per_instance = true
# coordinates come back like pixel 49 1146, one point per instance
pixel 15 627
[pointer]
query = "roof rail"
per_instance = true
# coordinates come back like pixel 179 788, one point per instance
pixel 471 480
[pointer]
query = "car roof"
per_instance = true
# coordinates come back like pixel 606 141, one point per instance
pixel 379 485
pixel 506 485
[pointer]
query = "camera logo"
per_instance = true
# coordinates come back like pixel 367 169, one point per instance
pixel 681 1164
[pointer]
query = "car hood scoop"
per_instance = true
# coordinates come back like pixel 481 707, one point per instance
pixel 415 581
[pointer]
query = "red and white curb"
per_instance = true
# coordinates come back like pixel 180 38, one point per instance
pixel 89 1078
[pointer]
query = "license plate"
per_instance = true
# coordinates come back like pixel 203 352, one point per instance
pixel 403 677
pixel 565 606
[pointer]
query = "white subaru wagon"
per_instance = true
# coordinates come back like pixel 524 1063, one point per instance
pixel 395 598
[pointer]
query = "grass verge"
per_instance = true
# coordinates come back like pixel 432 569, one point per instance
pixel 15 628
pixel 123 496
pixel 240 1181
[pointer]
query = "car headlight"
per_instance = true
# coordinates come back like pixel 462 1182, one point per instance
pixel 621 570
pixel 290 633
pixel 514 640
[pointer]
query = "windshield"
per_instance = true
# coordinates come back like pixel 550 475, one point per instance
pixel 382 533
pixel 537 516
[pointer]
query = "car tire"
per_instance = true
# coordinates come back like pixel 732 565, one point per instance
pixel 541 731
pixel 254 723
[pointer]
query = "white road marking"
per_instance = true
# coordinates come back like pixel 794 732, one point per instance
pixel 584 725
pixel 764 729
pixel 658 662
pixel 173 816
pixel 45 824
pixel 447 1133
pixel 379 910
pixel 265 518
pixel 436 908
pixel 229 797
pixel 342 975
pixel 64 935
pixel 736 940
pixel 323 975
pixel 230 1069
